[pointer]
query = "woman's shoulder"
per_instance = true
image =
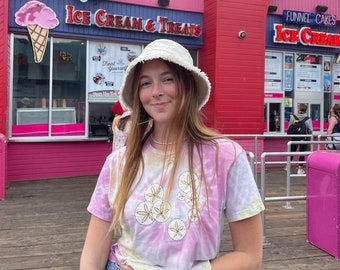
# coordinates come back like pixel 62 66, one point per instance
pixel 226 144
pixel 333 119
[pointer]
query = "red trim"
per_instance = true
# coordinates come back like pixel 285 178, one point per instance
pixel 3 64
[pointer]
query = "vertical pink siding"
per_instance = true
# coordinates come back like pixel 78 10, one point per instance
pixel 3 64
pixel 40 160
pixel 236 66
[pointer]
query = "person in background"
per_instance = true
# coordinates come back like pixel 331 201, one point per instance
pixel 121 126
pixel 301 114
pixel 334 125
pixel 164 197
pixel 121 131
pixel 117 110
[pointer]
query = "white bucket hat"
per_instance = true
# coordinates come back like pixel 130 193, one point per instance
pixel 171 51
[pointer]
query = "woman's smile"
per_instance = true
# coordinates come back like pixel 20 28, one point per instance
pixel 160 105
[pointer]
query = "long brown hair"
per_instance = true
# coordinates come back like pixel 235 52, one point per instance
pixel 336 110
pixel 122 122
pixel 190 130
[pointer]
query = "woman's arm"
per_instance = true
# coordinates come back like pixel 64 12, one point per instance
pixel 97 245
pixel 332 121
pixel 247 243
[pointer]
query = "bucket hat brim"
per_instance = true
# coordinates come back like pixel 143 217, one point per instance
pixel 173 52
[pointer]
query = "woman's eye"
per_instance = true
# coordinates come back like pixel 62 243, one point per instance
pixel 144 84
pixel 168 80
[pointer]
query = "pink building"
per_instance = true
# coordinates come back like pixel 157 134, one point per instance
pixel 56 104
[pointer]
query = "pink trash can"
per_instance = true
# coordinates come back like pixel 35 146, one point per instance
pixel 323 201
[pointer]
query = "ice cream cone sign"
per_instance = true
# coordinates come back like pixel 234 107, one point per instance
pixel 39 19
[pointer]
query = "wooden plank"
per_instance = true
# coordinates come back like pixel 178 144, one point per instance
pixel 44 223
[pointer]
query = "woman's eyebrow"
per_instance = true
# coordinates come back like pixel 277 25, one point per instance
pixel 162 74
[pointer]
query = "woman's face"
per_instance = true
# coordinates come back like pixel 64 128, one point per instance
pixel 158 90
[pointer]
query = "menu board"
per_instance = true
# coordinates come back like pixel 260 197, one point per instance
pixel 308 72
pixel 107 65
pixel 288 73
pixel 273 71
pixel 327 74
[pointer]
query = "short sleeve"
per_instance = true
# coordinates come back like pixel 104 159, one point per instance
pixel 243 198
pixel 99 204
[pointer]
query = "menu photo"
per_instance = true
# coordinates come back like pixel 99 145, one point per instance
pixel 107 65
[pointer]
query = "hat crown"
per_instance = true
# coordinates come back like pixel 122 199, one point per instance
pixel 168 50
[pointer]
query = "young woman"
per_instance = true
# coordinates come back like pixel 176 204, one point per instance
pixel 164 197
pixel 334 127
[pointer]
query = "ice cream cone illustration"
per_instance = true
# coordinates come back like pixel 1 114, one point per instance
pixel 38 18
pixel 39 38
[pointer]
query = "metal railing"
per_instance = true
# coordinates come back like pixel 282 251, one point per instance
pixel 256 138
pixel 251 160
pixel 288 198
pixel 319 143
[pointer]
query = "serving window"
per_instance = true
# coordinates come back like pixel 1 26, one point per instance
pixel 48 98
pixel 293 78
pixel 70 93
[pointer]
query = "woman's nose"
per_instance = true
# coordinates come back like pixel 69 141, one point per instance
pixel 157 89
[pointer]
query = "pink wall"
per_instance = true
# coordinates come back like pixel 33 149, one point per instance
pixel 307 5
pixel 235 66
pixel 29 161
pixel 186 5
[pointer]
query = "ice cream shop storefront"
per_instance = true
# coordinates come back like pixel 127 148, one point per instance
pixel 67 61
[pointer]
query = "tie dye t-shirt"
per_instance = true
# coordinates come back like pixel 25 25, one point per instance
pixel 166 233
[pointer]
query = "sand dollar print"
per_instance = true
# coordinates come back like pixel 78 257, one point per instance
pixel 185 182
pixel 154 193
pixel 181 195
pixel 161 211
pixel 144 213
pixel 177 229
pixel 194 215
pixel 189 198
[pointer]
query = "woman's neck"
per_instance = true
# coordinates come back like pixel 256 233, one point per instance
pixel 161 141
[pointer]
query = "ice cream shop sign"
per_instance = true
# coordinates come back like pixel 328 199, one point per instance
pixel 102 18
pixel 306 36
pixel 39 19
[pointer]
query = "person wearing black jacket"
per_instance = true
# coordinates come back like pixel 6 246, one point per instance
pixel 301 114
